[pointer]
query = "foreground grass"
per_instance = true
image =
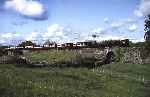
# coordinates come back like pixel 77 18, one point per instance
pixel 114 80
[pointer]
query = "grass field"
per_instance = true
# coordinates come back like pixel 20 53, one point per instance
pixel 53 56
pixel 114 80
pixel 61 58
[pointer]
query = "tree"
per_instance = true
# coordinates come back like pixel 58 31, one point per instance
pixel 147 28
pixel 27 43
pixel 94 35
pixel 49 43
pixel 147 35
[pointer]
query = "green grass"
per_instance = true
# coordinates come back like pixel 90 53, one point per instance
pixel 61 58
pixel 53 56
pixel 114 80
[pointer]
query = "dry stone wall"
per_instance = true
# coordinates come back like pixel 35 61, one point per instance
pixel 132 55
pixel 129 54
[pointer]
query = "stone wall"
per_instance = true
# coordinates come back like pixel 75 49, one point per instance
pixel 127 54
pixel 7 59
pixel 132 55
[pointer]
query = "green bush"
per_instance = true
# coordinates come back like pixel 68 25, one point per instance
pixel 1 51
pixel 145 50
pixel 119 54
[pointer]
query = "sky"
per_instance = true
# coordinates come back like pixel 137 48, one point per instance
pixel 72 20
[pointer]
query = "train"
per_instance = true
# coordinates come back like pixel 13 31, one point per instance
pixel 85 44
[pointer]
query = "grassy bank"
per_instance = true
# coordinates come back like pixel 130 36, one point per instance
pixel 114 80
pixel 61 58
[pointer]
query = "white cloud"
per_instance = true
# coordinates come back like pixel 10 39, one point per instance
pixel 110 37
pixel 32 36
pixel 121 25
pixel 2 41
pixel 58 33
pixel 29 8
pixel 138 40
pixel 138 13
pixel 54 30
pixel 132 27
pixel 119 29
pixel 7 35
pixel 97 30
pixel 143 8
pixel 68 29
pixel 106 20
pixel 131 20
pixel 117 24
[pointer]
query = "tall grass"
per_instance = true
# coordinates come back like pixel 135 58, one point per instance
pixel 115 80
pixel 119 54
pixel 61 57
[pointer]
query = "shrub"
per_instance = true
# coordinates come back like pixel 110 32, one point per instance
pixel 119 54
pixel 1 51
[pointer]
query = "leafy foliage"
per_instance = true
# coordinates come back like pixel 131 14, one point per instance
pixel 147 26
pixel 27 43
pixel 147 34
pixel 119 54
pixel 113 43
pixel 48 42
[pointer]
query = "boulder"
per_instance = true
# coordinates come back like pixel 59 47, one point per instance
pixel 104 58
pixel 22 60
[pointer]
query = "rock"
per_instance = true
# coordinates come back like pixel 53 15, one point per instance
pixel 21 61
pixel 132 55
pixel 103 57
pixel 109 57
